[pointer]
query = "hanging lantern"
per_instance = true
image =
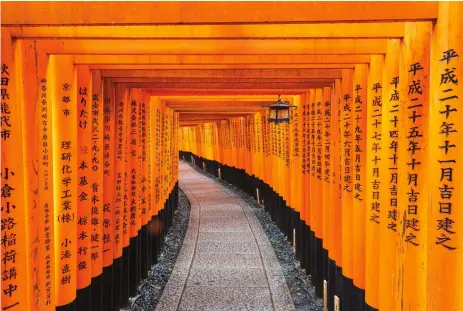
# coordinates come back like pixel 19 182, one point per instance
pixel 279 112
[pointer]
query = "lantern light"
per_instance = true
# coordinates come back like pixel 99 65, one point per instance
pixel 279 112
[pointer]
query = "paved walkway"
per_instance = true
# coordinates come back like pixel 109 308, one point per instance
pixel 226 261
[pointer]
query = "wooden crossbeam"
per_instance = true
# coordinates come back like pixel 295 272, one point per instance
pixel 219 104
pixel 238 110
pixel 226 73
pixel 264 86
pixel 226 58
pixel 211 92
pixel 210 47
pixel 211 117
pixel 158 12
pixel 222 98
pixel 224 66
pixel 233 31
pixel 170 80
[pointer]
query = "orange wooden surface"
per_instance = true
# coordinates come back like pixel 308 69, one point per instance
pixel 195 79
pixel 375 187
pixel 84 186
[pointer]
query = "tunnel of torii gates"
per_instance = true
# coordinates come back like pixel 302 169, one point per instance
pixel 99 99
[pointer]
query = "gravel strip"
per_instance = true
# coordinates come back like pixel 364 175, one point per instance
pixel 299 284
pixel 150 290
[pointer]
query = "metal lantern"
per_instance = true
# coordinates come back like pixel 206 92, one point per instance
pixel 279 112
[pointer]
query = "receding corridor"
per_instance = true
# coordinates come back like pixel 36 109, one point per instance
pixel 226 261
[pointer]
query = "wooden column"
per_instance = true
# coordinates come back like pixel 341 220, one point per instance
pixel 122 165
pixel 104 124
pixel 34 100
pixel 413 184
pixel 84 186
pixel 389 177
pixel 103 184
pixel 316 189
pixel 359 139
pixel 445 215
pixel 373 183
pixel 326 180
pixel 119 207
pixel 46 211
pixel 96 181
pixel 307 180
pixel 155 157
pixel 347 176
pixel 64 120
pixel 15 288
pixel 335 192
pixel 133 162
pixel 143 161
pixel 317 197
pixel 296 173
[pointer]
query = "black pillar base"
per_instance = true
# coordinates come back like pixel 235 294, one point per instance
pixel 84 299
pixel 308 250
pixel 325 266
pixel 155 227
pixel 358 298
pixel 125 282
pixel 133 266
pixel 331 284
pixel 319 267
pixel 117 275
pixel 347 294
pixel 68 307
pixel 369 308
pixel 144 252
pixel 97 292
pixel 107 288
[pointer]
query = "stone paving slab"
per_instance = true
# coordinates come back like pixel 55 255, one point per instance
pixel 230 299
pixel 226 261
pixel 227 247
pixel 226 237
pixel 224 227
pixel 227 277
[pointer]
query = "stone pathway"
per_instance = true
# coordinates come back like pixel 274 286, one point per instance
pixel 226 261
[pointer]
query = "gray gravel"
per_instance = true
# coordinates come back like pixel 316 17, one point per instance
pixel 299 284
pixel 150 290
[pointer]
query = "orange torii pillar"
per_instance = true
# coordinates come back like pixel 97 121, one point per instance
pixel 295 177
pixel 15 291
pixel 37 238
pixel 388 176
pixel 38 196
pixel 146 189
pixel 103 136
pixel 96 179
pixel 84 208
pixel 334 226
pixel 116 97
pixel 134 188
pixel 347 175
pixel 413 180
pixel 63 76
pixel 374 185
pixel 156 226
pixel 316 196
pixel 306 100
pixel 359 121
pixel 445 215
pixel 326 179
pixel 123 117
